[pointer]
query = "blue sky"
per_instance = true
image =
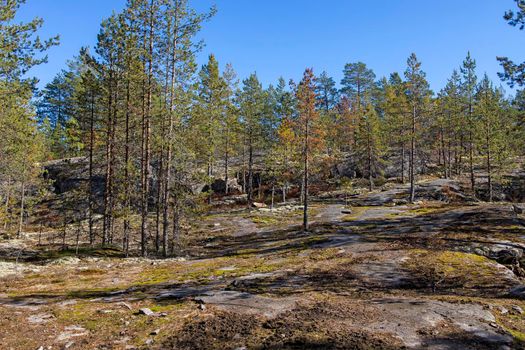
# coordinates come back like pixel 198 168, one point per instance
pixel 282 38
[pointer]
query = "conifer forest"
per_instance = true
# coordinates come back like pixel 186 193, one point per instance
pixel 148 201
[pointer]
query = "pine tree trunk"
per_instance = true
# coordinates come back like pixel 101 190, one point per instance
pixel 167 187
pixel 250 172
pixel 439 149
pixel 305 180
pixel 112 162
pixel 159 202
pixel 403 163
pixel 369 151
pixel 91 184
pixel 471 148
pixel 210 183
pixel 443 151
pixel 489 165
pixel 226 179
pixel 7 198
pixel 412 156
pixel 447 146
pixel 127 198
pixel 22 208
pixel 176 226
pixel 460 154
pixel 273 194
pixel 109 156
pixel 244 167
pixel 471 161
pixel 146 139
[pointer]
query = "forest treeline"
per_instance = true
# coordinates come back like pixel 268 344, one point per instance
pixel 156 126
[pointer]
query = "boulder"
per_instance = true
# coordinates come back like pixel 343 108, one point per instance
pixel 40 318
pixel 239 199
pixel 146 311
pixel 518 292
pixel 219 186
pixel 503 310
pixel 259 205
pixel 503 253
pixel 508 256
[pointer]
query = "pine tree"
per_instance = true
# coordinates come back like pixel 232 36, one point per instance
pixel 326 91
pixel 184 23
pixel 370 146
pixel 357 81
pixel 109 48
pixel 451 123
pixel 20 46
pixel 395 107
pixel 22 144
pixel 57 106
pixel 468 70
pixel 87 95
pixel 514 73
pixel 492 126
pixel 417 94
pixel 230 127
pixel 308 131
pixel 255 114
pixel 212 105
pixel 282 159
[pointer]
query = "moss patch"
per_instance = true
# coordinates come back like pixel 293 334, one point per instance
pixel 453 270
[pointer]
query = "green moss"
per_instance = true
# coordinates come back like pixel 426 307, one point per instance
pixel 155 276
pixel 108 252
pixel 417 211
pixel 247 252
pixel 88 315
pixel 462 269
pixel 452 257
pixel 265 220
pixel 74 313
pixel 517 335
pixel 169 307
pixel 324 254
pixel 460 258
pixel 423 210
pixel 206 270
pixel 91 293
pixel 313 240
pixel 91 271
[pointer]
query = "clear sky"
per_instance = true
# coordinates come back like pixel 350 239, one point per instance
pixel 282 37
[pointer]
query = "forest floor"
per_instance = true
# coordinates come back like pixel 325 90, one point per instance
pixel 372 273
